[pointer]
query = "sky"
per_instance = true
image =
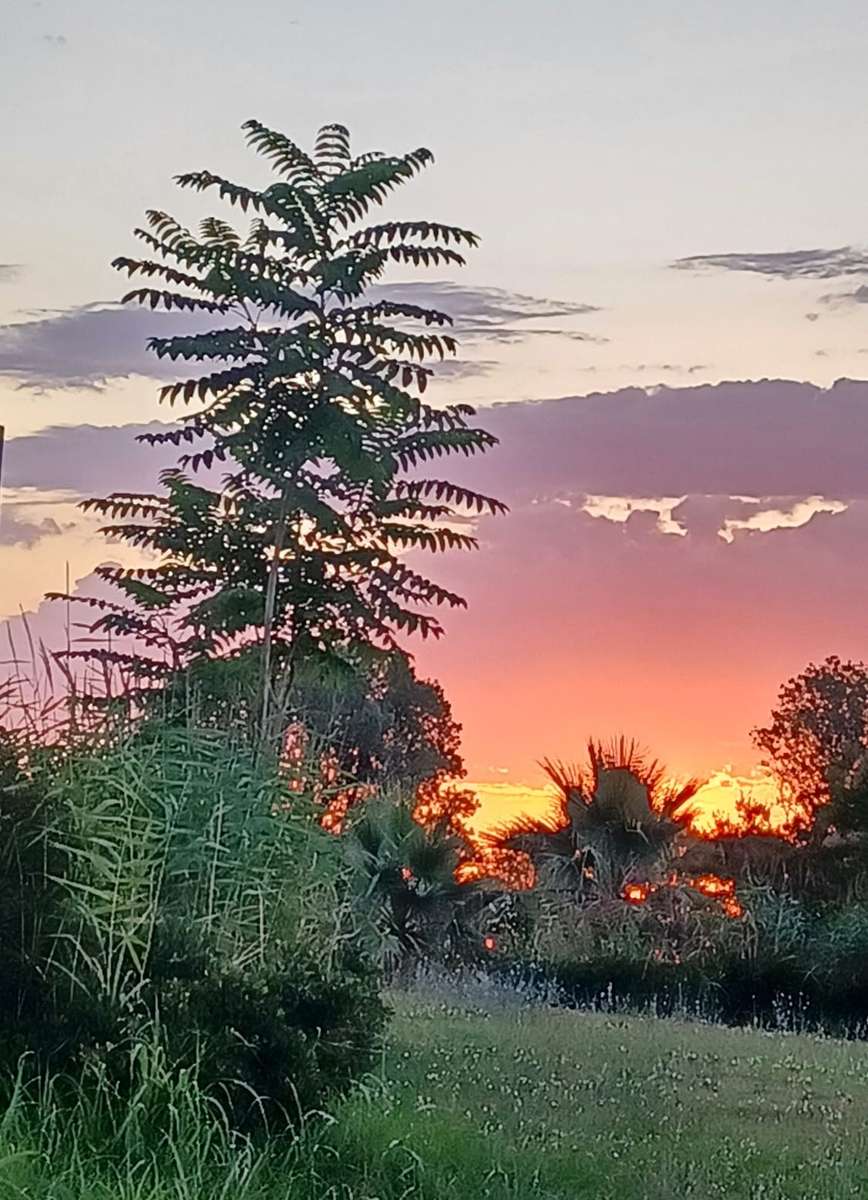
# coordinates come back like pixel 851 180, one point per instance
pixel 665 323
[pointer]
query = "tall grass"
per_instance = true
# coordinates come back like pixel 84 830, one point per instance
pixel 183 828
pixel 96 1146
pixel 192 908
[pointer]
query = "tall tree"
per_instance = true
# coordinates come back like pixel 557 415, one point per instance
pixel 817 739
pixel 311 397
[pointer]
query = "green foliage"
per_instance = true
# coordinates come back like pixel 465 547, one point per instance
pixel 385 725
pixel 27 863
pixel 271 1044
pixel 375 722
pixel 193 896
pixel 310 397
pixel 674 926
pixel 405 883
pixel 816 745
pixel 783 963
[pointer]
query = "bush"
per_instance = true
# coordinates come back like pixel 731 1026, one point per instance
pixel 196 898
pixel 783 965
pixel 273 1044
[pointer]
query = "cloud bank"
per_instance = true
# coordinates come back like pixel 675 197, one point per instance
pixel 86 346
pixel 785 264
pixel 769 438
pixel 840 263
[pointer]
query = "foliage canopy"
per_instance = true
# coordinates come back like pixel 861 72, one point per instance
pixel 816 741
pixel 308 390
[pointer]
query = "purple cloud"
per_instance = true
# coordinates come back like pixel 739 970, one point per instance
pixel 785 264
pixel 88 459
pixel 766 438
pixel 86 346
pixel 18 530
pixel 773 438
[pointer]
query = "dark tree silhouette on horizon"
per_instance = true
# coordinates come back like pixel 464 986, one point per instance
pixel 817 741
pixel 619 815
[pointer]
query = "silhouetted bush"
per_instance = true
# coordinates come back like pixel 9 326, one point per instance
pixel 783 965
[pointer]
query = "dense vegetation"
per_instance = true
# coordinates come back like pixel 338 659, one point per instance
pixel 166 895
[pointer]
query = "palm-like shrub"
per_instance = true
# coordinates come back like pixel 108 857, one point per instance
pixel 618 818
pixel 405 882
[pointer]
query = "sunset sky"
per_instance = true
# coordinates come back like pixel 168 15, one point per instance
pixel 666 323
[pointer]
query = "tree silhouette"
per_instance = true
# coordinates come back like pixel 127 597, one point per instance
pixel 816 741
pixel 310 397
pixel 617 817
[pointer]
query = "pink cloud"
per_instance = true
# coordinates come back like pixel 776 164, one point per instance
pixel 580 625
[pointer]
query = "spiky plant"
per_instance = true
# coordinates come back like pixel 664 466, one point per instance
pixel 617 816
pixel 309 393
pixel 405 881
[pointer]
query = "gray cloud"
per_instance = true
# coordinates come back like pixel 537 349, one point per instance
pixel 86 459
pixel 16 530
pixel 858 296
pixel 494 314
pixel 483 306
pixel 509 336
pixel 84 347
pixel 464 368
pixel 666 368
pixel 54 39
pixel 9 272
pixel 785 264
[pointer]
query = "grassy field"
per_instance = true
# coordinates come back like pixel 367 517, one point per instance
pixel 558 1104
pixel 524 1103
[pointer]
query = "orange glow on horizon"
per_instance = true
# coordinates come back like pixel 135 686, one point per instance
pixel 716 802
pixel 716 812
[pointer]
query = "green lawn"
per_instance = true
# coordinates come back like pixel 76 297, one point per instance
pixel 512 1103
pixel 558 1104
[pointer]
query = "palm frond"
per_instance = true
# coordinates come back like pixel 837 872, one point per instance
pixel 568 777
